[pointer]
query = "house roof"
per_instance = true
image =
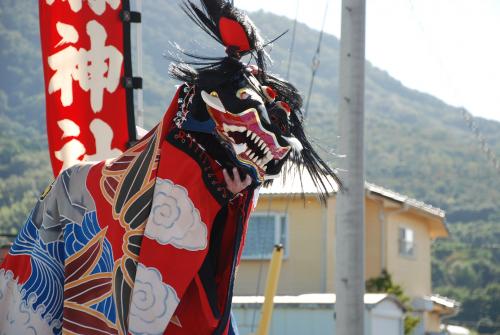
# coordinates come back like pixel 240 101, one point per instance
pixel 444 301
pixel 403 199
pixel 370 299
pixel 437 304
pixel 295 183
pixel 455 330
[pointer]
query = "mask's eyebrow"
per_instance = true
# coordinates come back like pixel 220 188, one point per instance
pixel 257 89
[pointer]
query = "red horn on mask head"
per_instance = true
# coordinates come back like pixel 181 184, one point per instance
pixel 233 34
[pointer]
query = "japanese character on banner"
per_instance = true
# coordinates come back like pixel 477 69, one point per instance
pixel 97 6
pixel 73 149
pixel 95 69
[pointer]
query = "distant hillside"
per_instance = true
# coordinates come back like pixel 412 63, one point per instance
pixel 416 144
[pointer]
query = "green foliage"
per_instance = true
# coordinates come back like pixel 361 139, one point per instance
pixel 415 144
pixel 465 268
pixel 384 284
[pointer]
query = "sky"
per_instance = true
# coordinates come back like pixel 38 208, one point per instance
pixel 448 48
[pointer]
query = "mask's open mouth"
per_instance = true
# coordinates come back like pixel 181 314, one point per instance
pixel 252 144
pixel 250 141
pixel 248 144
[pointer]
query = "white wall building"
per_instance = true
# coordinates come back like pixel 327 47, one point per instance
pixel 314 314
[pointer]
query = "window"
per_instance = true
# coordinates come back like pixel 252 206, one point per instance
pixel 264 231
pixel 406 242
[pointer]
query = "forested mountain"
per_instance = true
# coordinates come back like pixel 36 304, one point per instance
pixel 416 144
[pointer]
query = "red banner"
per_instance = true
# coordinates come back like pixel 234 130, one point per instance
pixel 86 54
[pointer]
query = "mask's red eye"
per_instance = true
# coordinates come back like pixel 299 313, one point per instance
pixel 269 93
pixel 283 105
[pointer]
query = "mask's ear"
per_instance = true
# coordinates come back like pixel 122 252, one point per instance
pixel 233 34
pixel 226 24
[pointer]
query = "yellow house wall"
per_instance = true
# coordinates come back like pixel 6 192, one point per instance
pixel 303 265
pixel 309 265
pixel 412 273
pixel 373 239
pixel 330 256
pixel 432 322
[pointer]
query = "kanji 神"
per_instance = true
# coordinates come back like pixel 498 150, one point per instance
pixel 96 69
pixel 97 6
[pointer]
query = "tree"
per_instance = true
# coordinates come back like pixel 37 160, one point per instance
pixel 384 284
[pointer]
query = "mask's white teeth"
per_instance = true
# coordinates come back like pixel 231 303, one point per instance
pixel 267 159
pixel 228 128
pixel 249 133
pixel 253 136
pixel 252 156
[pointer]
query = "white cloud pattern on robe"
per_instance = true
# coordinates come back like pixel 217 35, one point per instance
pixel 17 316
pixel 174 219
pixel 153 302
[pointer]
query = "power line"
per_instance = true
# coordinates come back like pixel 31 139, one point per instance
pixel 292 45
pixel 467 117
pixel 316 60
pixel 483 145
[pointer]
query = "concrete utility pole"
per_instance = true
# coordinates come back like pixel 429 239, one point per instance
pixel 350 209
